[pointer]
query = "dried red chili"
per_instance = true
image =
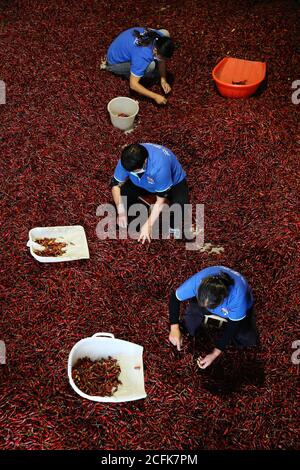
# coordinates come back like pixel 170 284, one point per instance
pixel 97 378
pixel 52 247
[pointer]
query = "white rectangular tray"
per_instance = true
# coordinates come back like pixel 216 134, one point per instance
pixel 73 233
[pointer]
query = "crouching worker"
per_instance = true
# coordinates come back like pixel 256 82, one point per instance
pixel 220 291
pixel 138 53
pixel 149 169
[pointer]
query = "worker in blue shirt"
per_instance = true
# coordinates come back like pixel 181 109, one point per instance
pixel 139 52
pixel 148 169
pixel 220 291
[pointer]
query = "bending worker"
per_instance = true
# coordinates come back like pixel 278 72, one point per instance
pixel 142 52
pixel 149 169
pixel 220 291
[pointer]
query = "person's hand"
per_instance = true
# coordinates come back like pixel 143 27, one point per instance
pixel 175 337
pixel 145 233
pixel 165 86
pixel 122 220
pixel 160 99
pixel 206 361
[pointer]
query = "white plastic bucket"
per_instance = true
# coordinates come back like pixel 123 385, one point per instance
pixel 129 357
pixel 125 105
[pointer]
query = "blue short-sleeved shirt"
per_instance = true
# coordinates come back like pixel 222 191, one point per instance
pixel 163 170
pixel 125 49
pixel 235 306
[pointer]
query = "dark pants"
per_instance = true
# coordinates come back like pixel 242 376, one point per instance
pixel 123 69
pixel 178 194
pixel 246 335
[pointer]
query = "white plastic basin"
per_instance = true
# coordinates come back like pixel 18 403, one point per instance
pixel 129 357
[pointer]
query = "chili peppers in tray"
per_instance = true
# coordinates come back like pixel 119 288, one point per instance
pixel 52 247
pixel 97 378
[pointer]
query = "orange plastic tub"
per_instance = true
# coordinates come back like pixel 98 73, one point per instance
pixel 238 78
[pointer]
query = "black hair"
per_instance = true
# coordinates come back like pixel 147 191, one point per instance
pixel 133 157
pixel 164 45
pixel 213 290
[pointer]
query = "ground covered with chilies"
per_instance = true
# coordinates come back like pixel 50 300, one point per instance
pixel 58 152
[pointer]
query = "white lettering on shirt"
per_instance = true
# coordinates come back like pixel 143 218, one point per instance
pixel 161 148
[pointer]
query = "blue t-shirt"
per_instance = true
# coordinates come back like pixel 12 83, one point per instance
pixel 125 49
pixel 163 170
pixel 235 306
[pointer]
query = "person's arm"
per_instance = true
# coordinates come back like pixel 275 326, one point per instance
pixel 175 336
pixel 156 210
pixel 229 332
pixel 116 195
pixel 186 291
pixel 174 309
pixel 162 67
pixel 136 86
pixel 145 233
pixel 206 361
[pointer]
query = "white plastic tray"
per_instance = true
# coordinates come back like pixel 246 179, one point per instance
pixel 128 355
pixel 73 233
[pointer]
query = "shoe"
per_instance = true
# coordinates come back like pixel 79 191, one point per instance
pixel 103 63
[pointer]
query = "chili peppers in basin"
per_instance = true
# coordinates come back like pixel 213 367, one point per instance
pixel 97 378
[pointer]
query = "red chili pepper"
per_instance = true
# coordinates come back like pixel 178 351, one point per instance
pixel 97 378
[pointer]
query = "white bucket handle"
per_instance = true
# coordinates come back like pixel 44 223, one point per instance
pixel 103 335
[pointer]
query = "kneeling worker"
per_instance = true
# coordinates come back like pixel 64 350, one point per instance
pixel 220 291
pixel 142 53
pixel 148 169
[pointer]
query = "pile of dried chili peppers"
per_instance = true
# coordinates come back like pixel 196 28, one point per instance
pixel 97 378
pixel 52 247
